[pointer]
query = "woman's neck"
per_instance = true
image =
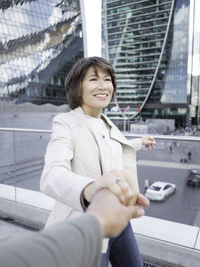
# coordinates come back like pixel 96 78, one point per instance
pixel 95 113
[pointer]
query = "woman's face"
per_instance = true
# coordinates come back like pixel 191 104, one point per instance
pixel 96 91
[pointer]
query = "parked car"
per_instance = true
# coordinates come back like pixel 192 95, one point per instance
pixel 193 178
pixel 160 191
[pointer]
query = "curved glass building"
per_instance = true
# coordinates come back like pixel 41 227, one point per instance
pixel 39 42
pixel 149 43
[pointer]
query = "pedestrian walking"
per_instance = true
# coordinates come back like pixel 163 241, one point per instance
pixel 146 184
pixel 189 155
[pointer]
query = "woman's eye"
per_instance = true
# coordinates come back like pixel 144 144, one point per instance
pixel 108 80
pixel 93 79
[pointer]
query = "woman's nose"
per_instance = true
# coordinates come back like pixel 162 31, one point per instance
pixel 102 85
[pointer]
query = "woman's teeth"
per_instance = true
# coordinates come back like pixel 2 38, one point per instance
pixel 101 95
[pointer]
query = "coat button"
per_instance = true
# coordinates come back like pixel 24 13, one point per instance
pixel 103 136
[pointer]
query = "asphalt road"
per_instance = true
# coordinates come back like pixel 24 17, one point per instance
pixel 184 205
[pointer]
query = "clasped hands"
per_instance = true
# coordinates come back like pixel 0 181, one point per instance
pixel 121 184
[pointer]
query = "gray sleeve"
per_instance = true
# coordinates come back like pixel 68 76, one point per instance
pixel 74 243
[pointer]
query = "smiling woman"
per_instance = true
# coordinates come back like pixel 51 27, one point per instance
pixel 87 152
pixel 93 72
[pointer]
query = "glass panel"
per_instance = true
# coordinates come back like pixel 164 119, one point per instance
pixel 30 149
pixel 24 160
pixel 174 162
pixel 7 160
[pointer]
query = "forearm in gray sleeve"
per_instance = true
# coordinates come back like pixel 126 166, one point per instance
pixel 74 243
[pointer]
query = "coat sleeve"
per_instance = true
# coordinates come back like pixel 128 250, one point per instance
pixel 57 180
pixel 74 243
pixel 136 143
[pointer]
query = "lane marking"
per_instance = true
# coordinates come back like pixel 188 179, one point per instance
pixel 164 164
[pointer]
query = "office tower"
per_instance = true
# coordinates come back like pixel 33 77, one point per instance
pixel 151 46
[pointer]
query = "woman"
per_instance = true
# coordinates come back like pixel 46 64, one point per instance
pixel 87 152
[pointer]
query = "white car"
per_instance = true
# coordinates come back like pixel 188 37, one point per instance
pixel 160 191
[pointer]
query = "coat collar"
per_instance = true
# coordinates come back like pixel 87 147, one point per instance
pixel 115 133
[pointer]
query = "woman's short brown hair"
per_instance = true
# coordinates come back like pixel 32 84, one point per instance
pixel 77 73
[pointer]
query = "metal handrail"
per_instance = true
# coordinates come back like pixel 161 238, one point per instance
pixel 166 137
pixel 24 130
pixel 127 134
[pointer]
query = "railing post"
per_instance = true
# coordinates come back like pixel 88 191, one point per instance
pixel 124 125
pixel 15 167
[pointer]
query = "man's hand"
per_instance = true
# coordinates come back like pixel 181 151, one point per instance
pixel 111 214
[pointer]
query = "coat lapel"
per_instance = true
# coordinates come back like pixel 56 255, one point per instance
pixel 115 133
pixel 103 148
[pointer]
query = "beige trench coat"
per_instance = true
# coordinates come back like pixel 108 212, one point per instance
pixel 72 161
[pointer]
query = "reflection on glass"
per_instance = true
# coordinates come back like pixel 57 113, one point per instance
pixel 39 40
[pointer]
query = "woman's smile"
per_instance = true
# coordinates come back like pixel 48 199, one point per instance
pixel 101 96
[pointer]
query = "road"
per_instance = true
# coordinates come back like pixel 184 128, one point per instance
pixel 160 165
pixel 183 206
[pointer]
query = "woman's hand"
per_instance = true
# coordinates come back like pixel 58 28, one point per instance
pixel 115 181
pixel 148 141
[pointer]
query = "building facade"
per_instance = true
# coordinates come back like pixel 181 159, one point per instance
pixel 39 42
pixel 152 45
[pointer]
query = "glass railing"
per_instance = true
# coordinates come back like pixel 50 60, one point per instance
pixel 175 160
pixel 21 159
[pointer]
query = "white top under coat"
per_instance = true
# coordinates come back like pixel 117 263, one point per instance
pixel 103 131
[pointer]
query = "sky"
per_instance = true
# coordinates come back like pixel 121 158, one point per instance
pixel 93 27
